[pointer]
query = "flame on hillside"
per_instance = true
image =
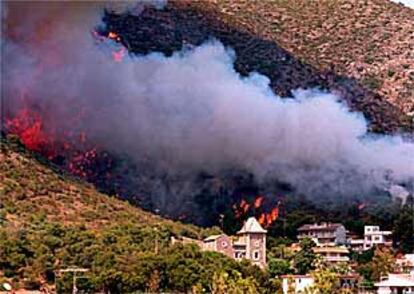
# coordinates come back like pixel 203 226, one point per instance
pixel 69 147
pixel 266 218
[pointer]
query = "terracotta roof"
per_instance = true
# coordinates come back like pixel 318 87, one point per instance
pixel 252 226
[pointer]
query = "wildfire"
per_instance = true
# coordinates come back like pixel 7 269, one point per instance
pixel 118 51
pixel 62 139
pixel 244 205
pixel 258 202
pixel 37 135
pixel 114 36
pixel 265 218
pixel 117 56
pixel 28 126
pixel 362 206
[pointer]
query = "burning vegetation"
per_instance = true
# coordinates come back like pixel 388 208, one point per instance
pixel 145 127
pixel 266 215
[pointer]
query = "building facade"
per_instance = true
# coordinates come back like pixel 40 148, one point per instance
pixel 396 284
pixel 333 254
pixel 373 236
pixel 249 243
pixel 405 263
pixel 301 284
pixel 324 233
pixel 219 243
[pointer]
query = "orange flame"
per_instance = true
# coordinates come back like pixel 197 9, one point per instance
pixel 258 202
pixel 275 213
pixel 266 219
pixel 262 219
pixel 114 36
pixel 244 205
pixel 28 126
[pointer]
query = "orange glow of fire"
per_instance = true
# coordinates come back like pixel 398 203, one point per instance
pixel 258 202
pixel 65 144
pixel 262 218
pixel 117 56
pixel 362 206
pixel 114 36
pixel 244 205
pixel 266 219
pixel 28 126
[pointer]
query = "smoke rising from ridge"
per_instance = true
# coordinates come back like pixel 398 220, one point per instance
pixel 192 111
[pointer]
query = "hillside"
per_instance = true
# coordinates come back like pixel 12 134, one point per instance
pixel 51 221
pixel 338 45
pixel 369 41
pixel 30 186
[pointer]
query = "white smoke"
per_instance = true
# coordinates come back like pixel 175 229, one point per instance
pixel 193 112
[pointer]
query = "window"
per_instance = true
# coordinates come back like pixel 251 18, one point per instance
pixel 256 255
pixel 257 243
pixel 224 244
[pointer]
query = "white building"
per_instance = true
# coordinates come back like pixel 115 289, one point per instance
pixel 373 236
pixel 405 263
pixel 324 233
pixel 300 283
pixel 356 245
pixel 397 284
pixel 333 254
pixel 297 283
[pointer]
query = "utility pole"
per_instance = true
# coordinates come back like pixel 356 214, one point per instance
pixel 74 271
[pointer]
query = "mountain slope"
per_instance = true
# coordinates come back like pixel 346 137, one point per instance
pixel 30 186
pixel 50 221
pixel 371 41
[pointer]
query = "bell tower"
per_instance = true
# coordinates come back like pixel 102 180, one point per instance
pixel 254 236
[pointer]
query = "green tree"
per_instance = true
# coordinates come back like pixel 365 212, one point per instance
pixel 403 229
pixel 382 263
pixel 224 283
pixel 326 281
pixel 278 267
pixel 304 259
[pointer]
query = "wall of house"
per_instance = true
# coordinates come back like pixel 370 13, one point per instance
pixel 224 245
pixel 298 284
pixel 340 235
pixel 257 249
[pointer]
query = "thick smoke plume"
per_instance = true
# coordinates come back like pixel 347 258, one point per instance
pixel 190 112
